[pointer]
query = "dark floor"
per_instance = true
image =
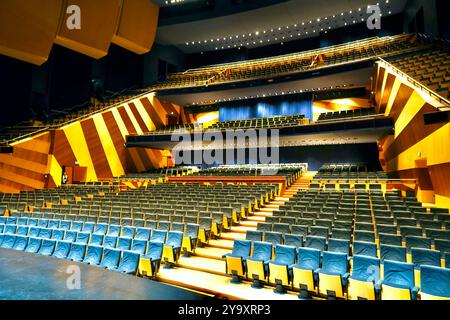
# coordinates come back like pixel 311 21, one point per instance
pixel 27 276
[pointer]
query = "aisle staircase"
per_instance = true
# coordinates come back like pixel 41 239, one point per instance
pixel 205 271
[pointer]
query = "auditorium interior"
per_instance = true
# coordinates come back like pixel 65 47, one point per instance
pixel 214 149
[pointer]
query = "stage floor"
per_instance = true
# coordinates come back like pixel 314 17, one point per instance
pixel 27 276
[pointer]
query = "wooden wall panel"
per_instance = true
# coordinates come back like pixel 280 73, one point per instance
pixel 414 140
pixel 136 28
pixel 99 20
pixel 28 28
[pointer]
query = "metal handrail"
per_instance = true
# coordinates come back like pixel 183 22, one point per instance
pixel 415 82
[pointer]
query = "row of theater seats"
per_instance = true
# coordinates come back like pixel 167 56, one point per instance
pixel 347 172
pixel 346 114
pixel 292 63
pixel 30 234
pixel 334 274
pixel 268 122
pixel 431 68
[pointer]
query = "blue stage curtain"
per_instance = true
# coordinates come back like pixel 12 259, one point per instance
pixel 261 108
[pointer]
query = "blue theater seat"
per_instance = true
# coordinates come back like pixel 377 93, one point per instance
pixel 88 227
pixel 34 244
pixel 254 235
pixel 364 282
pixel 101 228
pixel 77 226
pixel 319 231
pixel 362 248
pixel 341 234
pixel 143 234
pixel 43 223
pixel 149 264
pixel 20 243
pixel 10 229
pixel 58 234
pixel 53 224
pixel 280 268
pixel 340 246
pixel 257 265
pixel 442 245
pixel 62 249
pixel 390 239
pixel 417 242
pixel 435 283
pixel 366 236
pixel 83 237
pixel 45 233
pixel 333 275
pixel 32 222
pixel 96 239
pixel 8 241
pixel 234 260
pixel 314 242
pixel 159 236
pixel 306 271
pixel 47 247
pixel 293 240
pixel 190 238
pixel 77 252
pixel 3 220
pixel 128 231
pixel 273 237
pixel 110 242
pixel 129 262
pixel 172 247
pixel 424 257
pixel 386 229
pixel 93 255
pixel 11 221
pixel 139 246
pixel 398 281
pixel 393 253
pixel 114 230
pixel 70 236
pixel 65 224
pixel 299 230
pixel 124 243
pixel 22 221
pixel 111 258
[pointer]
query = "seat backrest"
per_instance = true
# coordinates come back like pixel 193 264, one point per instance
pixel 340 246
pixel 293 240
pixel 88 227
pixel 100 228
pixel 390 239
pixel 111 258
pixel 93 254
pixel 442 245
pixel 155 249
pixel 77 251
pixel 299 230
pixel 262 251
pixel 174 239
pixel 10 229
pixel 159 236
pixel 435 281
pixel 139 246
pixel 164 225
pixel 308 258
pixel 70 235
pixel 284 254
pixel 192 230
pixel 363 248
pixel 366 236
pixel 77 225
pixel 114 230
pixel 398 274
pixel 53 224
pixel 47 247
pixel 129 262
pixel 21 230
pixel 319 231
pixel 417 242
pixel 394 253
pixel 128 231
pixel 62 249
pixel 273 237
pixel 33 245
pixel 253 235
pixel 334 263
pixel 83 237
pixel 20 243
pixel 124 243
pixel 96 239
pixel 110 242
pixel 263 226
pixel 58 234
pixel 437 234
pixel 8 241
pixel 425 257
pixel 315 242
pixel 65 224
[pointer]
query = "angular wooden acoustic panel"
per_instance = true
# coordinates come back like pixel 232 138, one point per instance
pixel 98 23
pixel 136 30
pixel 28 28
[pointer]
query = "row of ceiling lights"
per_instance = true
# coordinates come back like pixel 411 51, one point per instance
pixel 270 94
pixel 260 37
